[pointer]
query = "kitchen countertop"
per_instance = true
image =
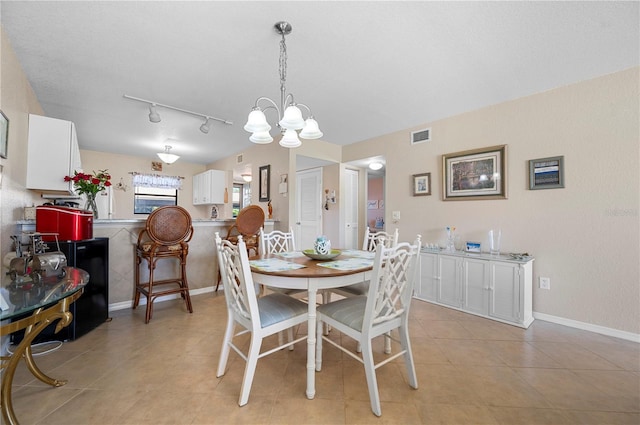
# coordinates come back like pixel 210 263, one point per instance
pixel 142 220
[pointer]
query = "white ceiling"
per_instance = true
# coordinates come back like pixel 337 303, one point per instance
pixel 365 68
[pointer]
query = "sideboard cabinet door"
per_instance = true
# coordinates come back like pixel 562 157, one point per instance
pixel 505 291
pixel 475 285
pixel 427 289
pixel 450 280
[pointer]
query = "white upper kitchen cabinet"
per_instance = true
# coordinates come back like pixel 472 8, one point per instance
pixel 208 187
pixel 52 153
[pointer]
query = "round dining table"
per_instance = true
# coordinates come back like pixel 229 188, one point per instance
pixel 349 268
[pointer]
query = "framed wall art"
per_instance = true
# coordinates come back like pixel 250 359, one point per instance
pixel 4 134
pixel 422 184
pixel 546 173
pixel 475 174
pixel 265 175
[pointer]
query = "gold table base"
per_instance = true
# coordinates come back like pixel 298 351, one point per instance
pixel 33 324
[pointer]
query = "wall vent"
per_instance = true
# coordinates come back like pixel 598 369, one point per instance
pixel 239 159
pixel 421 136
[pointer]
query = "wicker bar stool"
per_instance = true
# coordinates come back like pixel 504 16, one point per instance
pixel 248 224
pixel 166 235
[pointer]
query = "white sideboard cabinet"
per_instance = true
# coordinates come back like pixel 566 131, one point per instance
pixel 495 287
pixel 208 187
pixel 52 153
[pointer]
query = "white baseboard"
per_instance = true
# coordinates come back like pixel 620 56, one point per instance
pixel 143 301
pixel 629 336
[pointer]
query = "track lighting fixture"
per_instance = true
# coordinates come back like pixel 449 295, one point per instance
pixel 155 117
pixel 167 156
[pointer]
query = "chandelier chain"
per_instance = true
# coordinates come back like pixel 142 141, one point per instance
pixel 283 69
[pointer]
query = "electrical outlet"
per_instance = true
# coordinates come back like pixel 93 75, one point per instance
pixel 545 283
pixel 395 215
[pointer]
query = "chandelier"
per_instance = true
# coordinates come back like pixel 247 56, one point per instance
pixel 290 118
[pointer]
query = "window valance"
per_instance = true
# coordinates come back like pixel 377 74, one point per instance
pixel 157 180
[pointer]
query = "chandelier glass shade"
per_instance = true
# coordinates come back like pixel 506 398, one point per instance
pixel 290 118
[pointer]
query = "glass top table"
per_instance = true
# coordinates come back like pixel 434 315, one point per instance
pixel 42 301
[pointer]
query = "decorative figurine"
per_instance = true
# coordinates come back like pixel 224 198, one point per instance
pixel 270 209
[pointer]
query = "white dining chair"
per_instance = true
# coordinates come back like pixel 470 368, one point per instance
pixel 261 317
pixel 276 242
pixel 370 242
pixel 385 308
pixel 372 239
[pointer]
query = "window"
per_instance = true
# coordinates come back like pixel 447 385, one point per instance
pixel 240 197
pixel 147 199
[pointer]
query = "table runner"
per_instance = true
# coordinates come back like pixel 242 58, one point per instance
pixel 290 254
pixel 348 264
pixel 274 265
pixel 356 253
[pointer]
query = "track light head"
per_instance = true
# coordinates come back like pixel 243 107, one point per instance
pixel 153 114
pixel 206 125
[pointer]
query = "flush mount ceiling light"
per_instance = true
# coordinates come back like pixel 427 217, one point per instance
pixel 154 116
pixel 375 166
pixel 290 119
pixel 247 178
pixel 167 156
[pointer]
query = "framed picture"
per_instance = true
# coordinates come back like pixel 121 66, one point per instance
pixel 372 205
pixel 473 247
pixel 546 173
pixel 422 184
pixel 475 174
pixel 4 134
pixel 265 176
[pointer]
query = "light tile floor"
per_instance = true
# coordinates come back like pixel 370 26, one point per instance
pixel 470 371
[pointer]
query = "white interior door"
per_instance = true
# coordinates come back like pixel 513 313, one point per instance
pixel 351 209
pixel 308 224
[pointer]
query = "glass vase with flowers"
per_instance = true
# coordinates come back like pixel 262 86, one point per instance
pixel 90 185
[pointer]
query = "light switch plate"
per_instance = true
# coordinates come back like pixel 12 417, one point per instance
pixel 395 215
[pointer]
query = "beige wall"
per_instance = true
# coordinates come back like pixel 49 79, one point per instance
pixel 17 101
pixel 584 237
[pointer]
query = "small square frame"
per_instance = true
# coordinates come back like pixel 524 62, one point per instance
pixel 546 173
pixel 421 184
pixel 473 247
pixel 265 183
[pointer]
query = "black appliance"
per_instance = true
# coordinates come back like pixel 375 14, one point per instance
pixel 92 308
